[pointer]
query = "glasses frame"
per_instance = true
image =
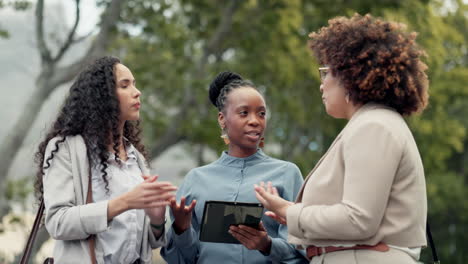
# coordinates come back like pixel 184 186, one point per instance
pixel 323 71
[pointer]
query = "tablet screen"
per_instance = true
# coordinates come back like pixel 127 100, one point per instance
pixel 218 216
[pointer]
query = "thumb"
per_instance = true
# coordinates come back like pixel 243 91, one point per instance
pixel 261 226
pixel 150 178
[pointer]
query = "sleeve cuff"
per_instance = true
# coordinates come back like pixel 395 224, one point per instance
pixel 292 217
pixel 93 217
pixel 157 242
pixel 183 240
pixel 275 252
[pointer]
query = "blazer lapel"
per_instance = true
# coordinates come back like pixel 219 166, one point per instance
pixel 299 196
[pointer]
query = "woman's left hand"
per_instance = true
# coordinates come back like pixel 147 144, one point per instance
pixel 269 197
pixel 251 238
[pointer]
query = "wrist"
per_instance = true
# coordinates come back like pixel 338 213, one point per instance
pixel 266 249
pixel 158 226
pixel 177 229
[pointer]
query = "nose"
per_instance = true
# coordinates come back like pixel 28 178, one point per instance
pixel 253 120
pixel 136 93
pixel 321 88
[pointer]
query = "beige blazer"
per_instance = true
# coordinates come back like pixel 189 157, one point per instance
pixel 68 219
pixel 369 187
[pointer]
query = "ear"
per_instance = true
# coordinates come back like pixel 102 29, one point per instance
pixel 221 120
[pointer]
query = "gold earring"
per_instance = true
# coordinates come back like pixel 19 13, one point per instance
pixel 226 139
pixel 262 142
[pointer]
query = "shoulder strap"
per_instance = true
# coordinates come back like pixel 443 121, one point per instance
pixel 89 199
pixel 32 236
pixel 431 243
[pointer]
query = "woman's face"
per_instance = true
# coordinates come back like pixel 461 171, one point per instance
pixel 244 120
pixel 127 93
pixel 334 96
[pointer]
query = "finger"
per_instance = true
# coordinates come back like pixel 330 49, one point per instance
pixel 173 204
pixel 248 231
pixel 239 233
pixel 244 241
pixel 190 208
pixel 182 202
pixel 260 198
pixel 150 178
pixel 156 204
pixel 151 188
pixel 156 184
pixel 275 191
pixel 261 191
pixel 262 227
pixel 262 184
pixel 269 187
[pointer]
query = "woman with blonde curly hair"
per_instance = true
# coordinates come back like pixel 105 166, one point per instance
pixel 365 200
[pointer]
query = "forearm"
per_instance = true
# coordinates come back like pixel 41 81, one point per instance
pixel 181 248
pixel 116 206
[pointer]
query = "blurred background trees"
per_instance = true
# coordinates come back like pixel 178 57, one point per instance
pixel 176 47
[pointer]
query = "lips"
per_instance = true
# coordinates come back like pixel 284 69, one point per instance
pixel 253 135
pixel 137 105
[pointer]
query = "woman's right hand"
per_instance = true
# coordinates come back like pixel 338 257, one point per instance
pixel 147 194
pixel 182 214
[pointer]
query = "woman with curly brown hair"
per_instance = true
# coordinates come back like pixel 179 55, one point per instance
pixel 365 200
pixel 95 142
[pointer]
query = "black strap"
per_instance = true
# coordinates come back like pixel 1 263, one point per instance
pixel 37 223
pixel 431 243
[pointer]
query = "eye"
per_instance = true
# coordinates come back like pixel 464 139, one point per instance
pixel 262 114
pixel 243 113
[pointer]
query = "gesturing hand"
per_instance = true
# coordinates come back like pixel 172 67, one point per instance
pixel 157 212
pixel 146 195
pixel 182 214
pixel 252 238
pixel 269 197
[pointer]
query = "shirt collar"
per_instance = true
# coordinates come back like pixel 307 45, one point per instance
pixel 230 161
pixel 131 153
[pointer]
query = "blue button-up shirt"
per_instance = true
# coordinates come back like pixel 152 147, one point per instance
pixel 232 179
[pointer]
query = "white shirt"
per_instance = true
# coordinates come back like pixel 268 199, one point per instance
pixel 121 242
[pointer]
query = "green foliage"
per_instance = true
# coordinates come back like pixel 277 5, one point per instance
pixel 167 46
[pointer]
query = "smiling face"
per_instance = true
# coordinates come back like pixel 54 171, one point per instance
pixel 334 96
pixel 127 94
pixel 244 120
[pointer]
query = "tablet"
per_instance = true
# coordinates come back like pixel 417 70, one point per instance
pixel 218 216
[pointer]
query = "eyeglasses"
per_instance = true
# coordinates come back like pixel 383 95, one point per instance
pixel 323 72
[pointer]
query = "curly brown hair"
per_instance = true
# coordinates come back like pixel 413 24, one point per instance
pixel 91 110
pixel 377 61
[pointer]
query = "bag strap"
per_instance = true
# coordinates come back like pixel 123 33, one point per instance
pixel 32 236
pixel 37 223
pixel 431 243
pixel 91 238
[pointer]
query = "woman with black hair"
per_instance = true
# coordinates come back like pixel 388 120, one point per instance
pixel 96 136
pixel 242 118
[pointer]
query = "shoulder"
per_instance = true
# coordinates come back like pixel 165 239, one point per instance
pixel 386 119
pixel 283 165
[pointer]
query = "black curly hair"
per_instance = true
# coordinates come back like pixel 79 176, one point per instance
pixel 92 111
pixel 223 84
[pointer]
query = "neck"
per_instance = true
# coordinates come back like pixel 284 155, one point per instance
pixel 241 152
pixel 353 108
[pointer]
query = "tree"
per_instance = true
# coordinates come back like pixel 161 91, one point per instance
pixel 267 43
pixel 52 75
